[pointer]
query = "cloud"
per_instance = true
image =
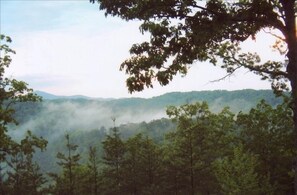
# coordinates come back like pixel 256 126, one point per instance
pixel 90 60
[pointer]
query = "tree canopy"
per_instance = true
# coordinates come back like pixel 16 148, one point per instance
pixel 183 32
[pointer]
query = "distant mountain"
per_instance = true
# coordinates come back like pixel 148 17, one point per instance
pixel 46 95
pixel 238 100
pixel 49 96
pixel 82 112
pixel 177 98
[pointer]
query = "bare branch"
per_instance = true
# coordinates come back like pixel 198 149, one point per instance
pixel 275 35
pixel 226 76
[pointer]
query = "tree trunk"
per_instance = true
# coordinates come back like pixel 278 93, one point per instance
pixel 295 131
pixel 294 107
pixel 291 39
pixel 191 166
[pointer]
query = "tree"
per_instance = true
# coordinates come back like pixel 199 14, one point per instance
pixel 132 166
pixel 24 175
pixel 68 162
pixel 184 31
pixel 113 159
pixel 141 167
pixel 93 170
pixel 267 132
pixel 201 137
pixel 11 92
pixel 237 174
pixel 151 165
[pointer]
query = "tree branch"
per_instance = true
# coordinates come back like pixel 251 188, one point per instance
pixel 275 35
pixel 226 76
pixel 260 70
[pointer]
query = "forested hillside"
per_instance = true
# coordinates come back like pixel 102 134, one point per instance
pixel 88 121
pixel 177 143
pixel 192 151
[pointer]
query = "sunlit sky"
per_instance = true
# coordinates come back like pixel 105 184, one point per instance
pixel 69 47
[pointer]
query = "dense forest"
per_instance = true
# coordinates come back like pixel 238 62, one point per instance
pixel 191 150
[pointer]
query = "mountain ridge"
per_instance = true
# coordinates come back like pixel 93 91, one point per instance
pixel 83 112
pixel 50 96
pixel 237 100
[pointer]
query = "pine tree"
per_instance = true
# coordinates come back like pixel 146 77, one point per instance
pixel 201 137
pixel 25 176
pixel 93 171
pixel 141 168
pixel 68 162
pixel 113 158
pixel 237 174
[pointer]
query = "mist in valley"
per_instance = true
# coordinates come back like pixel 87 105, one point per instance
pixel 56 118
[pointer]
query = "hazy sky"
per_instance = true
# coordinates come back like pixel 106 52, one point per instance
pixel 69 47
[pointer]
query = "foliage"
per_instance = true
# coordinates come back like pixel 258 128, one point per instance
pixel 18 172
pixel 185 31
pixel 200 138
pixel 141 166
pixel 113 158
pixel 93 171
pixel 11 92
pixel 69 162
pixel 237 174
pixel 24 175
pixel 268 133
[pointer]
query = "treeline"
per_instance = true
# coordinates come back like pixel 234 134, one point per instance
pixel 207 153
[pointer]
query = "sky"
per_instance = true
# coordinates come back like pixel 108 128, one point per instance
pixel 69 47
